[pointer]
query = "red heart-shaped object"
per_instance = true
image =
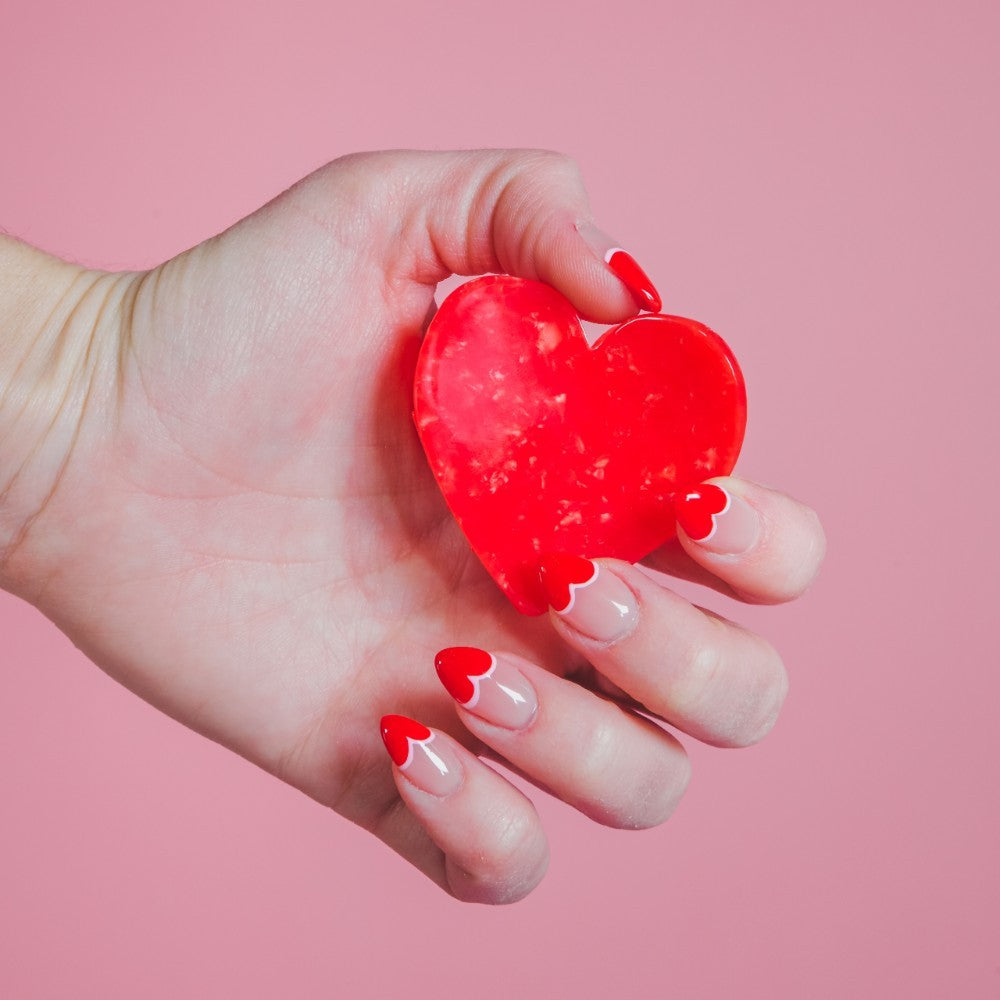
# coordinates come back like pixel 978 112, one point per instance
pixel 397 733
pixel 541 443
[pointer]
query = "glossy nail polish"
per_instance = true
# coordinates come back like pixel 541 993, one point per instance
pixel 588 597
pixel 489 687
pixel 623 265
pixel 423 758
pixel 716 519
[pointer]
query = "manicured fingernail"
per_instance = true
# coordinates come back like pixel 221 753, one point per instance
pixel 716 519
pixel 424 758
pixel 588 597
pixel 623 265
pixel 488 687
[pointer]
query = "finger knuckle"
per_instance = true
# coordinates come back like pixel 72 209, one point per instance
pixel 508 867
pixel 535 177
pixel 698 687
pixel 655 792
pixel 553 162
pixel 513 846
pixel 628 785
pixel 361 171
pixel 515 839
pixel 599 754
pixel 757 712
pixel 733 694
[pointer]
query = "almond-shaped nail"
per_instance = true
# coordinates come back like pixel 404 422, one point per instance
pixel 588 597
pixel 487 686
pixel 421 756
pixel 623 265
pixel 718 520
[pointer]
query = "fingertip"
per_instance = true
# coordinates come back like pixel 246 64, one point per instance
pixel 491 842
pixel 622 265
pixel 717 519
pixel 764 544
pixel 567 262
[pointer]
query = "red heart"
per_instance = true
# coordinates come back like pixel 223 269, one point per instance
pixel 562 575
pixel 397 732
pixel 541 443
pixel 696 513
pixel 458 665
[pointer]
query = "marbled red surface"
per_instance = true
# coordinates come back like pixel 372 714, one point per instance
pixel 541 443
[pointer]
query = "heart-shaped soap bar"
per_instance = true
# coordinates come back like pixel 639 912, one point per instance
pixel 541 443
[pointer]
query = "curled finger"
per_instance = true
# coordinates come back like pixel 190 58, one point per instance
pixel 491 847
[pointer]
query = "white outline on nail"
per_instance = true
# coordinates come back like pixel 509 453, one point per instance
pixel 716 515
pixel 474 680
pixel 410 744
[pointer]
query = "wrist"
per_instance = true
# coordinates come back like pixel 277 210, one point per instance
pixel 59 326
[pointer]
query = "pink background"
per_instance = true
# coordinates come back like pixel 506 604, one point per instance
pixel 819 183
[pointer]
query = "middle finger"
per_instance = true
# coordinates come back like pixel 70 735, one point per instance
pixel 709 677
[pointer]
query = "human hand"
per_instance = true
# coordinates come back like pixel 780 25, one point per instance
pixel 211 482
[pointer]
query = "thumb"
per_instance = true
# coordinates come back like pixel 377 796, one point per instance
pixel 522 212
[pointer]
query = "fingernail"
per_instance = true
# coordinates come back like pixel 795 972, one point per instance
pixel 717 520
pixel 588 597
pixel 492 689
pixel 623 265
pixel 425 760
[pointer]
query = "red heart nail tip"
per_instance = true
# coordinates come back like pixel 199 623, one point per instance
pixel 628 272
pixel 696 511
pixel 397 733
pixel 461 668
pixel 542 443
pixel 562 576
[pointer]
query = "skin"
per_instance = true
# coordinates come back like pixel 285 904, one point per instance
pixel 210 481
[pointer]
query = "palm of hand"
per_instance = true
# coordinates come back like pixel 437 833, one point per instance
pixel 266 554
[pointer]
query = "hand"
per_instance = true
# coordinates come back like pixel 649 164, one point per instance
pixel 216 490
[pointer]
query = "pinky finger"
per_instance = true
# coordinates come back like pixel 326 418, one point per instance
pixel 492 847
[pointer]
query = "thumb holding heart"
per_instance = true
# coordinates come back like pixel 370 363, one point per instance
pixel 519 212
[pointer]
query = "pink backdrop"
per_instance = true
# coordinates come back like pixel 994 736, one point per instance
pixel 819 186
